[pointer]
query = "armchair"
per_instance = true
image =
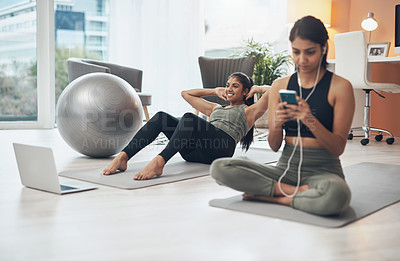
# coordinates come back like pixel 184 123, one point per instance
pixel 215 72
pixel 78 67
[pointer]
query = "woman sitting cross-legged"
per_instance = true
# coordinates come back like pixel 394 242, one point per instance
pixel 308 175
pixel 196 139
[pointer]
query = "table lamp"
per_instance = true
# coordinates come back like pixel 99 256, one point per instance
pixel 369 24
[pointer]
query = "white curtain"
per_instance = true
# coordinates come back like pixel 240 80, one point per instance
pixel 164 39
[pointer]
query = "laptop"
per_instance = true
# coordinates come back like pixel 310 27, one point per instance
pixel 37 170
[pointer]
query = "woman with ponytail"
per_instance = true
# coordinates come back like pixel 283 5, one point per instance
pixel 196 139
pixel 313 132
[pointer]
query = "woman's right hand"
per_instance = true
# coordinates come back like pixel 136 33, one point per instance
pixel 282 114
pixel 258 89
pixel 253 90
pixel 221 93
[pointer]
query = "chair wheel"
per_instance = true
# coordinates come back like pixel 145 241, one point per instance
pixel 364 141
pixel 379 137
pixel 389 140
pixel 350 136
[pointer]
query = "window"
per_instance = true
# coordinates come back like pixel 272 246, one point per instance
pixel 28 91
pixel 81 32
pixel 18 86
pixel 229 23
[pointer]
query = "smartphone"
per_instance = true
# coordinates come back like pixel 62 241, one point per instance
pixel 288 96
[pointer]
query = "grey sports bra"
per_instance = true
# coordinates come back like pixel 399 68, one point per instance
pixel 231 120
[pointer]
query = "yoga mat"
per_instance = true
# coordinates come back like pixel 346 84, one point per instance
pixel 373 187
pixel 175 170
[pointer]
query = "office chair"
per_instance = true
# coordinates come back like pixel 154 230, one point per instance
pixel 351 63
pixel 78 67
pixel 215 72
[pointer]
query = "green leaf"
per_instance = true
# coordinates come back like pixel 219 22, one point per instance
pixel 269 66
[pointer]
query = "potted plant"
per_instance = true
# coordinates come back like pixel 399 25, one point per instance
pixel 269 66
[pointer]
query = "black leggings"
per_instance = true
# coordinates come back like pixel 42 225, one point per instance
pixel 194 138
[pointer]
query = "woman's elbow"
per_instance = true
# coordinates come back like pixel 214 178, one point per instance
pixel 274 146
pixel 274 149
pixel 336 153
pixel 184 95
pixel 338 150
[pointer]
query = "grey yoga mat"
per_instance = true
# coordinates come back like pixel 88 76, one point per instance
pixel 373 186
pixel 176 170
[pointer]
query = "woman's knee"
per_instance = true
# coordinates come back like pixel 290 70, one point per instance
pixel 162 115
pixel 189 115
pixel 329 196
pixel 219 169
pixel 159 115
pixel 157 119
pixel 187 121
pixel 337 197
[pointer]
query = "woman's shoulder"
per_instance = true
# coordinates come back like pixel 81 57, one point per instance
pixel 340 83
pixel 340 88
pixel 280 83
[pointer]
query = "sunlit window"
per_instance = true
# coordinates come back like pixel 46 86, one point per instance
pixel 81 30
pixel 18 88
pixel 230 23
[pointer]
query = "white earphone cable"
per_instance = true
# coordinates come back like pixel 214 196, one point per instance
pixel 298 139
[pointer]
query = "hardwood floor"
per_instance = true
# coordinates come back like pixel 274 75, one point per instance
pixel 172 221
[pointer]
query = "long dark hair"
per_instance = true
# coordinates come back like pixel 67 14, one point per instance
pixel 246 82
pixel 311 28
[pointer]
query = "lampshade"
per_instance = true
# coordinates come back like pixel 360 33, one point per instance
pixel 369 23
pixel 320 9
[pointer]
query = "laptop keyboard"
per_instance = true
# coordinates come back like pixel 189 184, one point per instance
pixel 64 188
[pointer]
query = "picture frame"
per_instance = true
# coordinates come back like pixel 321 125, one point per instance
pixel 376 50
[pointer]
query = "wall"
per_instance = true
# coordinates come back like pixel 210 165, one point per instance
pixel 347 16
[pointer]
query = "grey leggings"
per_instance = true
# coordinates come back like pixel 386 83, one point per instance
pixel 328 193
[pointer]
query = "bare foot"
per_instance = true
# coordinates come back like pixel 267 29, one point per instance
pixel 278 197
pixel 119 163
pixel 288 189
pixel 279 200
pixel 154 168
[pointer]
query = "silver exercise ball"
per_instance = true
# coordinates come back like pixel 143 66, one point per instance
pixel 98 114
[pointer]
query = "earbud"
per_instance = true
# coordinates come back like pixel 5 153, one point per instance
pixel 323 50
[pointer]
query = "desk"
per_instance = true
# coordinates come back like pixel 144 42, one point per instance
pixel 371 61
pixel 392 59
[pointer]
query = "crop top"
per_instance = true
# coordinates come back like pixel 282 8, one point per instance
pixel 319 106
pixel 231 120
